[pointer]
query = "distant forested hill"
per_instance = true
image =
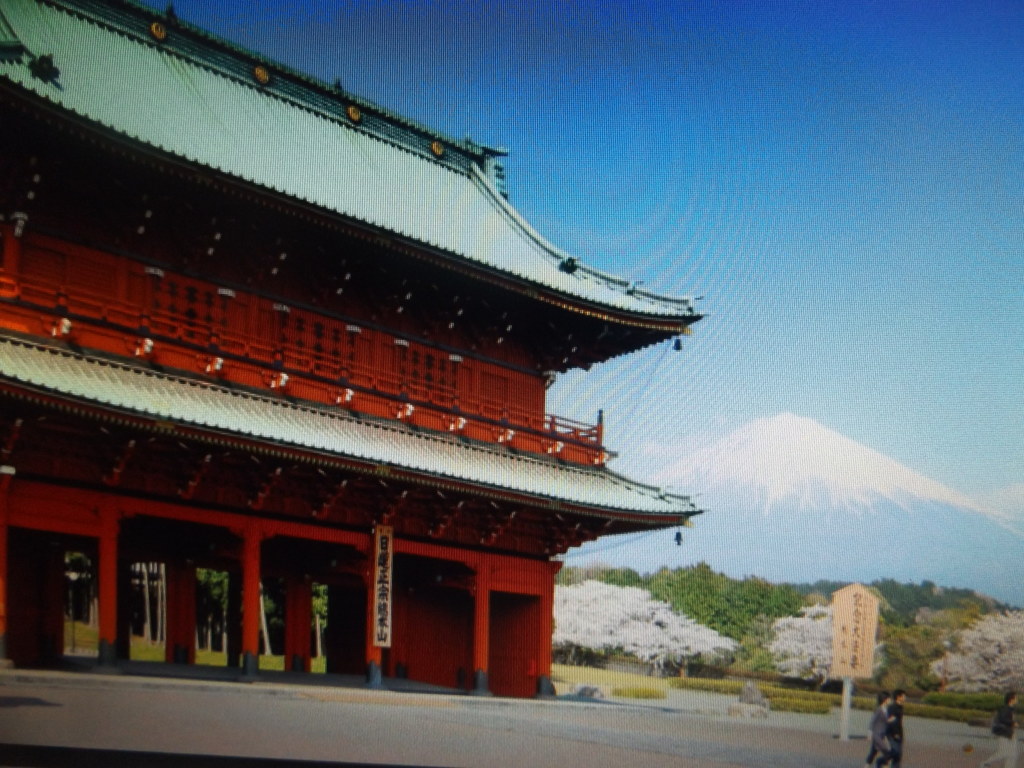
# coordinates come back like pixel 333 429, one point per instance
pixel 903 602
pixel 737 607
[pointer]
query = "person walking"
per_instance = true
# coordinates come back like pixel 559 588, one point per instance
pixel 895 729
pixel 878 728
pixel 1004 727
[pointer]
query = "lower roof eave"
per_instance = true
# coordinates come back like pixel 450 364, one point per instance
pixel 85 409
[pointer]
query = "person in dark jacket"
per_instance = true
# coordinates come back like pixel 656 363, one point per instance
pixel 895 731
pixel 1005 729
pixel 879 726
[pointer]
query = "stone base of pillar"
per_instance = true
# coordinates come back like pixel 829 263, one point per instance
pixel 374 676
pixel 250 666
pixel 545 688
pixel 481 684
pixel 106 658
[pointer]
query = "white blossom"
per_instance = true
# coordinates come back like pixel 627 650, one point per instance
pixel 988 656
pixel 802 645
pixel 604 617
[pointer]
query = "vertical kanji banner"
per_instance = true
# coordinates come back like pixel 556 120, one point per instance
pixel 382 584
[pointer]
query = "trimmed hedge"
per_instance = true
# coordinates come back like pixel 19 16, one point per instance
pixel 946 713
pixel 707 684
pixel 794 700
pixel 989 702
pixel 799 704
pixel 637 692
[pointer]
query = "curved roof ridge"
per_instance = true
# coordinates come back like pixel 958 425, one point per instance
pixel 256 56
pixel 559 254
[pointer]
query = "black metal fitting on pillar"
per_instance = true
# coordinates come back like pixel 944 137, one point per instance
pixel 545 688
pixel 106 658
pixel 374 677
pixel 5 663
pixel 481 684
pixel 250 666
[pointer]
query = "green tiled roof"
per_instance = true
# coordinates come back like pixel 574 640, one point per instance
pixel 194 98
pixel 329 432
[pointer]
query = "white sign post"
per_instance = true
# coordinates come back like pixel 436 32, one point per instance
pixel 854 627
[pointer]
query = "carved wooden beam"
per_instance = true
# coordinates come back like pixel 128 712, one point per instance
pixel 443 520
pixel 197 477
pixel 257 502
pixel 497 525
pixel 113 478
pixel 332 498
pixel 388 514
pixel 11 441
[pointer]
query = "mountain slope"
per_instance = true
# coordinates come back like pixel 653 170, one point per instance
pixel 789 458
pixel 790 500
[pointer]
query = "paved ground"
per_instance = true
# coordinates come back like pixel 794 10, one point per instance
pixel 352 725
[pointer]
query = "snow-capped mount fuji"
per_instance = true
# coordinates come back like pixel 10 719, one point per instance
pixel 788 499
pixel 784 460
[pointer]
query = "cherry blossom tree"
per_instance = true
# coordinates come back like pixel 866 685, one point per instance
pixel 802 645
pixel 606 618
pixel 988 656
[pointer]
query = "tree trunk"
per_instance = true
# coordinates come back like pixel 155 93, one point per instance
pixel 263 625
pixel 319 639
pixel 147 627
pixel 94 593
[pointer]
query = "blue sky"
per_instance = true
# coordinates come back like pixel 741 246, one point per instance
pixel 843 183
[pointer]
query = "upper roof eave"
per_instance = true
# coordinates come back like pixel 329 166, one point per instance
pixel 487 231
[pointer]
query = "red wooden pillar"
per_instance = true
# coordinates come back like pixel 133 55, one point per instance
pixel 6 473
pixel 547 627
pixel 374 653
pixel 180 645
pixel 481 630
pixel 298 624
pixel 251 543
pixel 108 586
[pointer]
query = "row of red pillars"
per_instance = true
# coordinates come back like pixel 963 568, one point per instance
pixel 181 596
